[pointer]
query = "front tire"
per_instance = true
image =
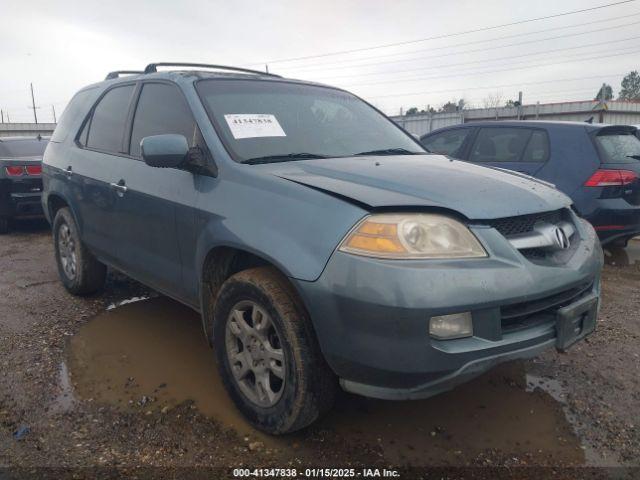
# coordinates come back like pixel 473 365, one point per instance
pixel 4 226
pixel 80 272
pixel 268 355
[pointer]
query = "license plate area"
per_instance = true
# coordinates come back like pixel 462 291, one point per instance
pixel 576 321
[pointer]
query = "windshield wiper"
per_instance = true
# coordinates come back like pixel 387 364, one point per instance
pixel 283 158
pixel 637 157
pixel 389 151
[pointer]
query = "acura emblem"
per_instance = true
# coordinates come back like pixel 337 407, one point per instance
pixel 561 238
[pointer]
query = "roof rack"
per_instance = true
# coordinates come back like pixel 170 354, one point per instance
pixel 152 68
pixel 117 73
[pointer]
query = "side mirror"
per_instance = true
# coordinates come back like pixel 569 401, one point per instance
pixel 164 151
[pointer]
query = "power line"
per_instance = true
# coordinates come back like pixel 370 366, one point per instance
pixel 501 70
pixel 483 29
pixel 484 49
pixel 505 37
pixel 491 87
pixel 395 72
pixel 557 60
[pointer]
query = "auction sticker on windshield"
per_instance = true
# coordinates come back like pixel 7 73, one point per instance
pixel 251 125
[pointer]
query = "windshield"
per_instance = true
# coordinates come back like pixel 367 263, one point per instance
pixel 619 147
pixel 275 121
pixel 22 148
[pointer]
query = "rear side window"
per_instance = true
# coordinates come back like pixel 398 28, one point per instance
pixel 446 143
pixel 161 109
pixel 22 148
pixel 78 107
pixel 108 120
pixel 619 148
pixel 505 145
pixel 538 148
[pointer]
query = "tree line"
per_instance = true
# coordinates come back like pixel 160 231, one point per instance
pixel 629 90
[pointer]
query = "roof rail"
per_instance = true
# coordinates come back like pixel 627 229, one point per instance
pixel 117 73
pixel 152 68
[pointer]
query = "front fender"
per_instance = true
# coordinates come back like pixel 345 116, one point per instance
pixel 293 227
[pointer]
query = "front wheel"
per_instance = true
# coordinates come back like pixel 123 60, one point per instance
pixel 80 272
pixel 4 226
pixel 268 356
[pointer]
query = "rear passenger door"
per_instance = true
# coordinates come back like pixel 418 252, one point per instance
pixel 521 149
pixel 155 205
pixel 90 170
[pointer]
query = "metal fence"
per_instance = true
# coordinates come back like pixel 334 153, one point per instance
pixel 26 129
pixel 613 112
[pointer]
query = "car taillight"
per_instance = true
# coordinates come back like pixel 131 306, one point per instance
pixel 609 178
pixel 34 169
pixel 14 171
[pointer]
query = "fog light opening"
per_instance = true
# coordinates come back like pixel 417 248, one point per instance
pixel 448 327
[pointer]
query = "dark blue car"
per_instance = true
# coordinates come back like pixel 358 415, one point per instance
pixel 597 165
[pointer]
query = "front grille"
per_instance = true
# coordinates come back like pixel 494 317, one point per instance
pixel 510 226
pixel 527 314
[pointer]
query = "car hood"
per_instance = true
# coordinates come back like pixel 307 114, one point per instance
pixel 424 181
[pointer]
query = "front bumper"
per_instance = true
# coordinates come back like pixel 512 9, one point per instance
pixel 371 316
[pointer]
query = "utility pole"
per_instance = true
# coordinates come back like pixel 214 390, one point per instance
pixel 266 67
pixel 33 104
pixel 519 105
pixel 603 104
pixel 53 109
pixel 2 115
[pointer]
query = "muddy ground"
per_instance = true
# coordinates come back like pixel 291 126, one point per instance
pixel 124 383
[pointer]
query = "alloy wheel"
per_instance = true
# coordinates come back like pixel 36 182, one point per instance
pixel 254 351
pixel 67 251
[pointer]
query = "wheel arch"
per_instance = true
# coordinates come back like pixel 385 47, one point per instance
pixel 55 202
pixel 220 263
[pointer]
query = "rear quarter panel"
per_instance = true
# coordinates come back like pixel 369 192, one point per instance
pixel 573 159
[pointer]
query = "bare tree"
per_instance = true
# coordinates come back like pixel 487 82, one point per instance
pixel 493 100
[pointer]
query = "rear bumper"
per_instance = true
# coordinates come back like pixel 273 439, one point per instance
pixel 615 219
pixel 20 198
pixel 21 205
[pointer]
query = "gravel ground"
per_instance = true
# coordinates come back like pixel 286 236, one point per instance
pixel 88 389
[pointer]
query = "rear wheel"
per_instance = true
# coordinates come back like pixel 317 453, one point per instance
pixel 4 225
pixel 268 356
pixel 80 272
pixel 621 242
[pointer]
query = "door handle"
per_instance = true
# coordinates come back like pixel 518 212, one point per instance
pixel 69 171
pixel 120 187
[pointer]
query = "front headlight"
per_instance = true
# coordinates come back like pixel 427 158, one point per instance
pixel 412 236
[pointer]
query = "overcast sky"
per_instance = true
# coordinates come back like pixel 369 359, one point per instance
pixel 61 46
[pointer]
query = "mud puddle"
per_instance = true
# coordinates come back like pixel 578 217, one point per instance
pixel 493 413
pixel 152 355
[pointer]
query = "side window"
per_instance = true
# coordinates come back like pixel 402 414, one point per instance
pixel 499 144
pixel 161 109
pixel 78 105
pixel 446 143
pixel 108 120
pixel 537 148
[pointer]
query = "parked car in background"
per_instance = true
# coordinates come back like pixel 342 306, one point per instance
pixel 597 165
pixel 20 178
pixel 320 243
